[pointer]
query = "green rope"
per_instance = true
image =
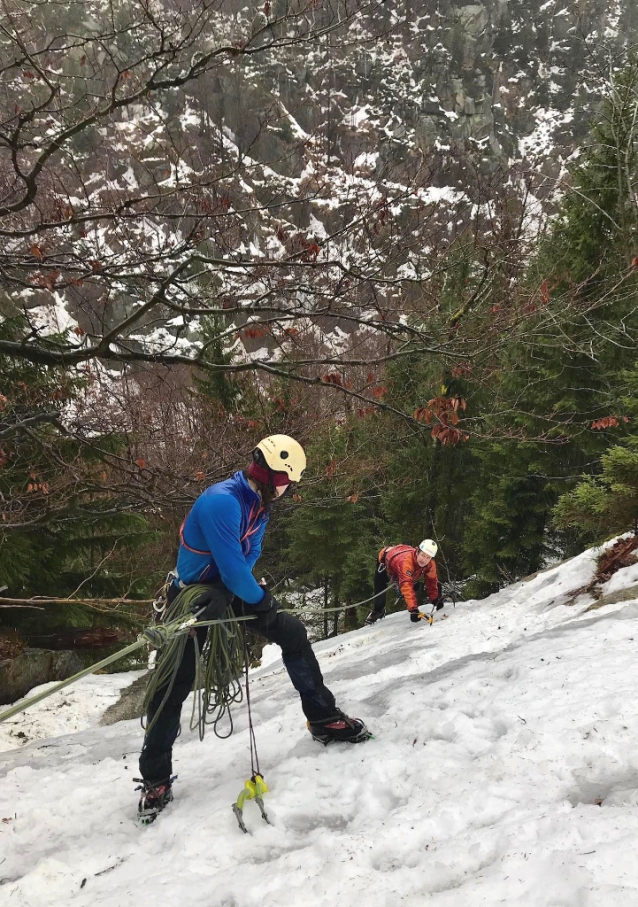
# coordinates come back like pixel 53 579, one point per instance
pixel 218 666
pixel 156 636
pixel 171 633
pixel 223 662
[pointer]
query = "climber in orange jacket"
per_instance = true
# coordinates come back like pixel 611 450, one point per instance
pixel 405 566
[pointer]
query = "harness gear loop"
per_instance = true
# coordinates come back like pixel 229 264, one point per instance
pixel 160 602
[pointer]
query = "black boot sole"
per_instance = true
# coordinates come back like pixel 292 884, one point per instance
pixel 363 735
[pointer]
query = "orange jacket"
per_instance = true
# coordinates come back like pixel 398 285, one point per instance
pixel 402 568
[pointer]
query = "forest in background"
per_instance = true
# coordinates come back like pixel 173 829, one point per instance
pixel 491 404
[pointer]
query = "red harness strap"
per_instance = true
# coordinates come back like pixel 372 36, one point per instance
pixel 253 518
pixel 188 547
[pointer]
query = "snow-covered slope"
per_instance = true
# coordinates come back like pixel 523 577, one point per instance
pixel 504 770
pixel 73 709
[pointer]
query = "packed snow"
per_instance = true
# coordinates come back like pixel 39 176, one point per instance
pixel 74 708
pixel 504 769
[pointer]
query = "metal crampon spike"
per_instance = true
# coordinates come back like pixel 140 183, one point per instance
pixel 239 815
pixel 262 809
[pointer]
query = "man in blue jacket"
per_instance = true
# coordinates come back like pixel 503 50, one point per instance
pixel 220 542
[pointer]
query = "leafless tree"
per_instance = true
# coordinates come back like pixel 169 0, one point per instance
pixel 128 213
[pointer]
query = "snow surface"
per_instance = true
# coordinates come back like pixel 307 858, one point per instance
pixel 504 770
pixel 75 708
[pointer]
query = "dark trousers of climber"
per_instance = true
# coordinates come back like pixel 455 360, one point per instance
pixel 286 631
pixel 381 580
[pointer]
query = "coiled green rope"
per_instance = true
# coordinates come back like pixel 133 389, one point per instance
pixel 218 666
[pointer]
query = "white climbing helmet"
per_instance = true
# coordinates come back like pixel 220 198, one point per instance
pixel 429 547
pixel 283 454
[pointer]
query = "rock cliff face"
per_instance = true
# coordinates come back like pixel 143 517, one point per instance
pixel 275 152
pixel 35 666
pixel 495 83
pixel 513 79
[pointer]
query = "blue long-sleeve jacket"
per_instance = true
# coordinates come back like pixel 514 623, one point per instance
pixel 221 538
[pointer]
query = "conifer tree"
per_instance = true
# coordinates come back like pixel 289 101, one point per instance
pixel 61 529
pixel 607 503
pixel 331 533
pixel 559 375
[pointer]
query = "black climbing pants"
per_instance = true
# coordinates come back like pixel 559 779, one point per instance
pixel 279 627
pixel 381 580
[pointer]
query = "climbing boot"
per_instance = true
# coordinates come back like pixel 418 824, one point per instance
pixel 339 728
pixel 153 800
pixel 373 616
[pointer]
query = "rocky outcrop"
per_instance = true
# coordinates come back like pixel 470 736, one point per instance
pixel 33 667
pixel 129 705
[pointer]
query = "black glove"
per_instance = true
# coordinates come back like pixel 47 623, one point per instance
pixel 415 616
pixel 212 603
pixel 438 603
pixel 266 610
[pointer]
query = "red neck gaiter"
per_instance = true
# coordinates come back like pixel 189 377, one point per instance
pixel 265 476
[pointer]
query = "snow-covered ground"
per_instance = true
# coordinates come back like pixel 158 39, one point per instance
pixel 73 709
pixel 504 770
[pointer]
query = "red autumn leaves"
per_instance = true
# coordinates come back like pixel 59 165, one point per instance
pixel 608 422
pixel 444 413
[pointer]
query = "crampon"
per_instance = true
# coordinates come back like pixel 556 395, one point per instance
pixel 339 728
pixel 153 800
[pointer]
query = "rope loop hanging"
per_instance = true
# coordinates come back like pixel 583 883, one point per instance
pixel 219 664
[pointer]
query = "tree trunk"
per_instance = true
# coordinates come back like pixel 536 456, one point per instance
pixel 326 599
pixel 335 618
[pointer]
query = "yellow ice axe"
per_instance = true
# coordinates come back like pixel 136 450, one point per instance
pixel 253 790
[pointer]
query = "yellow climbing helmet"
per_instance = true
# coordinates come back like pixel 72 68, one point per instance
pixel 283 454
